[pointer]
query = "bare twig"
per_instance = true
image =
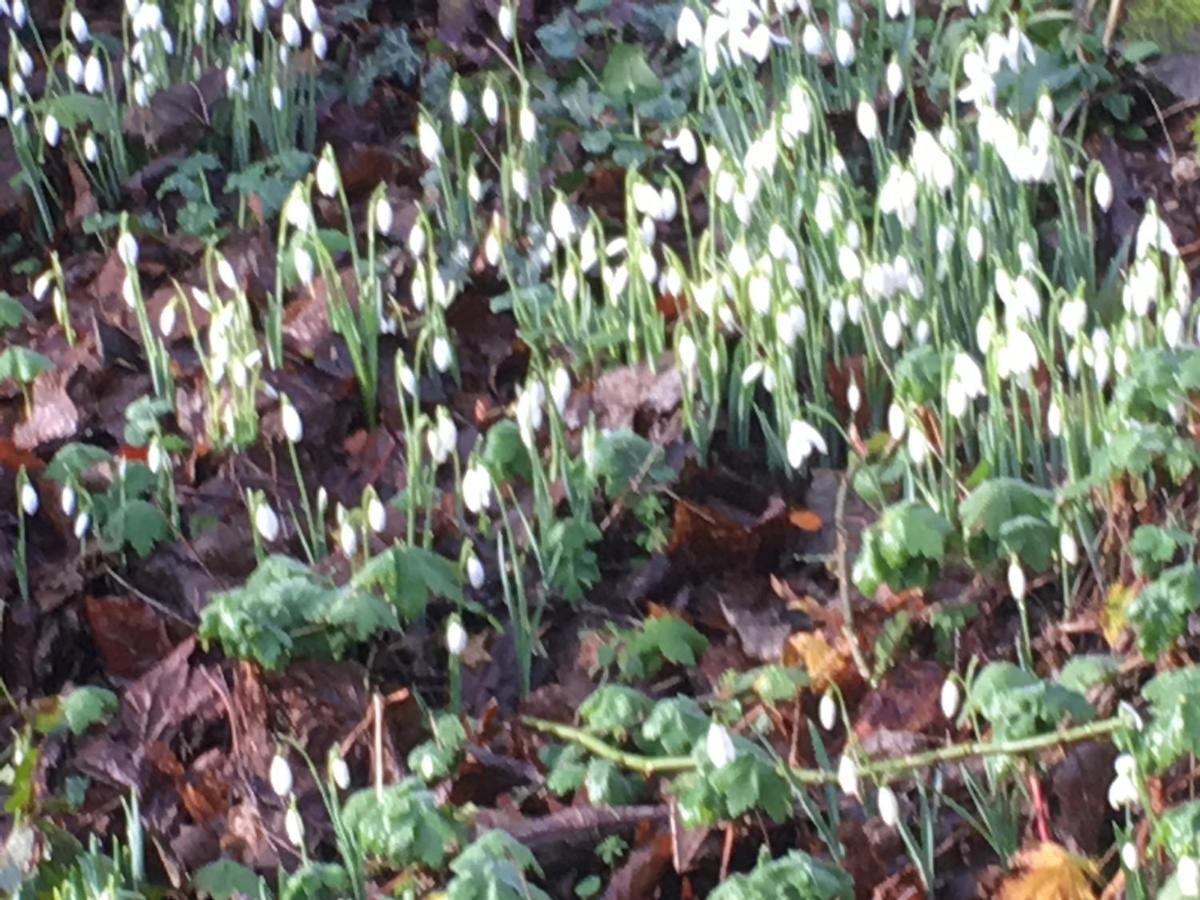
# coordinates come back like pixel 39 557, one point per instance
pixel 843 574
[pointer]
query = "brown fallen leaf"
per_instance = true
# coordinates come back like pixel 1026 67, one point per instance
pixel 1050 872
pixel 54 416
pixel 130 636
pixel 826 665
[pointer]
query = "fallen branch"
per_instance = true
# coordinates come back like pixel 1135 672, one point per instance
pixel 881 771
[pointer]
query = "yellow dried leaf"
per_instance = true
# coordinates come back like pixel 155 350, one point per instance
pixel 1114 617
pixel 826 665
pixel 1050 872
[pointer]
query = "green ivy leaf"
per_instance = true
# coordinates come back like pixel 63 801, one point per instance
pixel 1160 612
pixel 796 876
pixel 674 726
pixel 12 312
pixel 23 365
pixel 402 827
pixel 73 460
pixel 88 706
pixel 627 75
pixel 138 524
pixel 226 880
pixel 614 709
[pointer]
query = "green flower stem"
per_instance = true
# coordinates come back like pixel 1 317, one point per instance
pixel 880 771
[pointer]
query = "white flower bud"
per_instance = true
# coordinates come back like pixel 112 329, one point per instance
pixel 51 130
pixel 327 177
pixel 459 109
pixel 339 772
pixel 719 746
pixel 951 697
pixel 266 523
pixel 29 499
pixel 383 215
pixel 456 638
pixel 475 573
pixel 1016 580
pixel 1102 190
pixel 293 426
pixel 291 30
pixel 347 538
pixel 281 776
pixel 66 500
pixel 293 825
pixel 827 711
pixel 1068 549
pixel 889 806
pixel 1129 856
pixel 82 522
pixel 376 515
pixel 847 775
pixel 504 20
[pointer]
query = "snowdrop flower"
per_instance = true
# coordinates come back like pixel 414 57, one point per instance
pixel 291 31
pixel 719 746
pixel 917 445
pixel 893 329
pixel 309 16
pixel 477 489
pixel 1102 190
pixel 320 45
pixel 475 573
pixel 93 75
pixel 529 410
pixel 1129 856
pixel 1068 550
pixel 827 711
pixel 853 396
pixel 527 124
pixel 383 215
pixel 894 78
pixel 79 27
pixel 685 145
pixel 258 14
pixel 1122 791
pixel 837 316
pixel 950 698
pixel 66 500
pixel 520 183
pixel 1054 418
pixel 561 222
pixel 456 637
pixel 293 426
pixel 428 140
pixel 82 522
pixel 560 389
pixel 24 62
pixel 51 130
pixel 41 285
pixel 889 806
pixel 491 104
pixel 339 772
pixel 281 776
pixel 75 68
pixel 442 355
pixel 897 422
pixel 266 523
pixel 19 13
pixel 843 47
pixel 166 320
pixel 376 514
pixel 5 108
pixel 459 109
pixel 293 825
pixel 504 21
pixel 327 176
pixel 867 120
pixel 303 264
pixel 1187 876
pixel 689 32
pixel 978 7
pixel 347 539
pixel 974 243
pixel 1016 580
pixel 29 499
pixel 222 11
pixel 1172 327
pixel 127 249
pixel 847 775
pixel 802 440
pixel 1072 316
pixel 1153 232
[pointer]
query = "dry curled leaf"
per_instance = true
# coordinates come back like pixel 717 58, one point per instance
pixel 1050 872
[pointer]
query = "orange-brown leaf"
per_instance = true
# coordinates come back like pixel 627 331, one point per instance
pixel 1050 872
pixel 804 519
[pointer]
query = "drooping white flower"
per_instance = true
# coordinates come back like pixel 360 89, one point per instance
pixel 347 538
pixel 843 47
pixel 560 388
pixel 827 711
pixel 1068 549
pixel 1102 190
pixel 802 441
pixel 82 522
pixel 376 514
pixel 491 104
pixel 51 130
pixel 303 263
pixel 719 746
pixel 75 68
pixel 281 776
pixel 292 35
pixel 293 825
pixel 383 215
pixel 93 75
pixel 456 637
pixel 428 140
pixel 29 499
pixel 443 356
pixel 475 573
pixel 867 120
pixel 889 806
pixel 950 698
pixel 339 772
pixel 1016 580
pixel 505 21
pixel 527 124
pixel 327 176
pixel 477 489
pixel 222 11
pixel 79 27
pixel 847 775
pixel 258 14
pixel 266 523
pixel 1129 856
pixel 127 249
pixel 320 44
pixel 309 15
pixel 689 32
pixel 460 110
pixel 894 78
pixel 685 145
